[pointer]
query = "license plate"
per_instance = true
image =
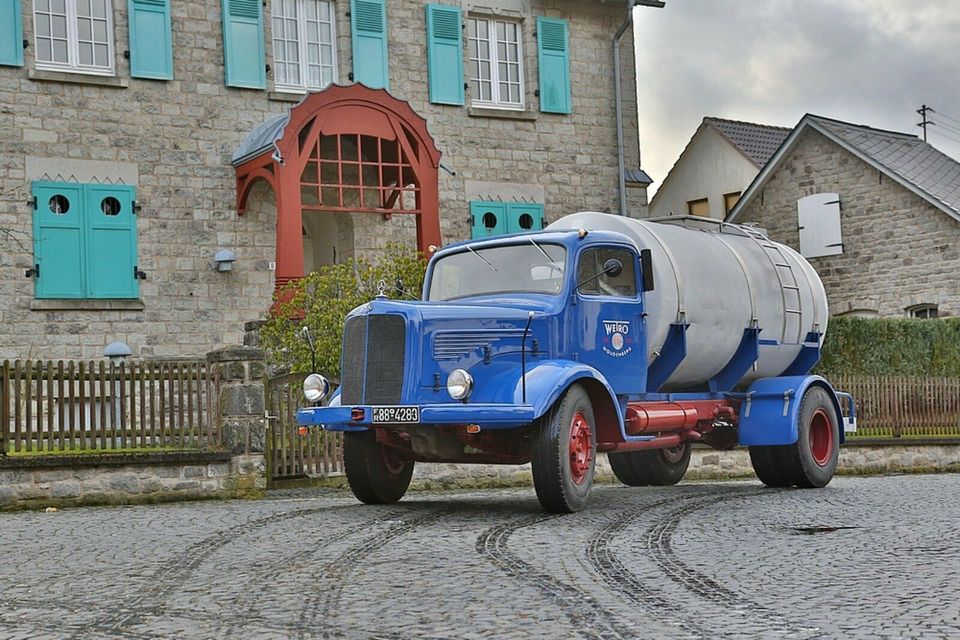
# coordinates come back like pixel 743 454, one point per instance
pixel 396 415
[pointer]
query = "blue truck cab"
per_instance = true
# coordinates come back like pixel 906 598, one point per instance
pixel 533 348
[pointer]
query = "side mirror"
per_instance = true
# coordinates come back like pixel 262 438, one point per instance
pixel 646 266
pixel 612 267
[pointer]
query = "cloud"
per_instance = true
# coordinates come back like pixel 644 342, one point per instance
pixel 872 62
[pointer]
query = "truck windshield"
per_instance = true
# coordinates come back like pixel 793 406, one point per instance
pixel 517 268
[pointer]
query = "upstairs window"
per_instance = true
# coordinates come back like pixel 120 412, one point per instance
pixel 699 207
pixel 923 311
pixel 496 63
pixel 730 200
pixel 74 35
pixel 304 51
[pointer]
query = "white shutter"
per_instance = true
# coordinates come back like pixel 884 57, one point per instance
pixel 819 221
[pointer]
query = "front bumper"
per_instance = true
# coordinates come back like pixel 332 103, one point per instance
pixel 487 416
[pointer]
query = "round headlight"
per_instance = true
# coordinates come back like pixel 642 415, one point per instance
pixel 315 387
pixel 459 384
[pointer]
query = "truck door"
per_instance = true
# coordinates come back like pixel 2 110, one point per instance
pixel 607 316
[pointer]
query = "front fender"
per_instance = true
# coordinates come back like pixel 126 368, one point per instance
pixel 548 379
pixel 770 409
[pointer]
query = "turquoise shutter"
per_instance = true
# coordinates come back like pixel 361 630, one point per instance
pixel 11 33
pixel 58 240
pixel 524 217
pixel 111 242
pixel 445 54
pixel 368 29
pixel 243 44
pixel 553 58
pixel 489 219
pixel 151 44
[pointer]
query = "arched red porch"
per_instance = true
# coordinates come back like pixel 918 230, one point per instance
pixel 346 149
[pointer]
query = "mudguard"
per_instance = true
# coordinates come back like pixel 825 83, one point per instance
pixel 548 379
pixel 770 409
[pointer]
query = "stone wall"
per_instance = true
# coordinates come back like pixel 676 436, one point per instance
pixel 899 250
pixel 55 481
pixel 174 140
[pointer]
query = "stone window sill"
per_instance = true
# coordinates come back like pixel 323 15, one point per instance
pixel 42 75
pixel 86 305
pixel 285 96
pixel 502 114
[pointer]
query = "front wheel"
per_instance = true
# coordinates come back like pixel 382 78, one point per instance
pixel 376 474
pixel 563 453
pixel 657 467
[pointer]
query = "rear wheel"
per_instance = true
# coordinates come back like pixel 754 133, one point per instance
pixel 657 467
pixel 564 453
pixel 376 474
pixel 768 465
pixel 811 461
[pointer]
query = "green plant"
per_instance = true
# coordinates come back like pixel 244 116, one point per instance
pixel 322 300
pixel 891 346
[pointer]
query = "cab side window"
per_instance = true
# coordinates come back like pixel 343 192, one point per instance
pixel 591 264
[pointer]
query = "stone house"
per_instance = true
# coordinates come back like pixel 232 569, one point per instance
pixel 165 165
pixel 715 167
pixel 876 212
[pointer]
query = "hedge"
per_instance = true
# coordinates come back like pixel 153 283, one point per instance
pixel 891 346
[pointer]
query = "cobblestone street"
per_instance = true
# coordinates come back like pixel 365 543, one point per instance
pixel 863 558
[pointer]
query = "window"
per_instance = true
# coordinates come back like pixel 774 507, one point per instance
pixel 923 311
pixel 304 44
pixel 74 35
pixel 496 65
pixel 85 241
pixel 497 218
pixel 698 207
pixel 490 271
pixel 730 200
pixel 818 220
pixel 592 262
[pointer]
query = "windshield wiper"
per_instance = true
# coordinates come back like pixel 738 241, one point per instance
pixel 481 258
pixel 534 243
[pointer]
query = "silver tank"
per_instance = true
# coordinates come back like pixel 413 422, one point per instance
pixel 720 278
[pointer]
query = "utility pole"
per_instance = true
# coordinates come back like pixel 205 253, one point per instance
pixel 923 114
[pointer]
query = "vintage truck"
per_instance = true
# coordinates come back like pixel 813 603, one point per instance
pixel 598 334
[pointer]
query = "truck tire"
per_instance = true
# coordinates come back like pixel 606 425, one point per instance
pixel 811 461
pixel 656 467
pixel 563 453
pixel 376 474
pixel 769 466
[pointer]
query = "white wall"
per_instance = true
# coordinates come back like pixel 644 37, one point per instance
pixel 708 168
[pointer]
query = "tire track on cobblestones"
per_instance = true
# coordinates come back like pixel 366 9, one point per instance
pixel 177 571
pixel 606 563
pixel 659 538
pixel 583 611
pixel 324 603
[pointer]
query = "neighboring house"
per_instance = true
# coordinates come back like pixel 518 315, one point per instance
pixel 144 138
pixel 876 212
pixel 718 163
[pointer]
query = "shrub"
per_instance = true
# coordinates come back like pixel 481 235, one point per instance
pixel 322 300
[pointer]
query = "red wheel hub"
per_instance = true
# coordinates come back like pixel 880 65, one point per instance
pixel 673 455
pixel 393 462
pixel 821 437
pixel 581 448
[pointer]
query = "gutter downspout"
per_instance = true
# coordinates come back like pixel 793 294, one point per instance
pixel 627 21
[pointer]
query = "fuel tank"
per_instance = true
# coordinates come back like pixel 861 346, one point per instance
pixel 720 279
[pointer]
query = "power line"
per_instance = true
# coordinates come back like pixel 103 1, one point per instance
pixel 948 127
pixel 942 134
pixel 943 115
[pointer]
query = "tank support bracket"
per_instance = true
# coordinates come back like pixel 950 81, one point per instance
pixel 672 353
pixel 744 358
pixel 808 356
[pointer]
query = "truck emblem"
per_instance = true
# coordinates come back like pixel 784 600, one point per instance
pixel 617 341
pixel 381 288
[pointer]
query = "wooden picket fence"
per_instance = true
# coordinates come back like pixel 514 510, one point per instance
pixel 48 406
pixel 891 406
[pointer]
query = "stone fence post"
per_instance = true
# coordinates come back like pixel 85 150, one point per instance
pixel 243 425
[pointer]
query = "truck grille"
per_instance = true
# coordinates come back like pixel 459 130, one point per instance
pixel 373 359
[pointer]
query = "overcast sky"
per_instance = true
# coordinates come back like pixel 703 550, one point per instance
pixel 871 62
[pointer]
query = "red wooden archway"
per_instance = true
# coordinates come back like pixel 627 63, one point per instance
pixel 344 149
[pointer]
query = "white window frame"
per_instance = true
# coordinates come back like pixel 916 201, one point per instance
pixel 496 102
pixel 922 311
pixel 302 54
pixel 73 44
